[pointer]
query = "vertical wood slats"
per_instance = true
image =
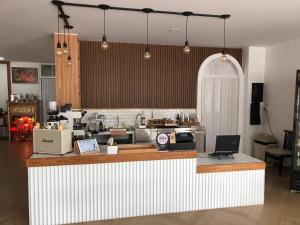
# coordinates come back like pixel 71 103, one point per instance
pixel 79 193
pixel 119 77
pixel 68 77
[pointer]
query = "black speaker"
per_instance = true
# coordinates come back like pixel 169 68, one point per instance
pixel 255 113
pixel 257 92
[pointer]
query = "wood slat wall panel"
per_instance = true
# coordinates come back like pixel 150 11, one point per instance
pixel 120 77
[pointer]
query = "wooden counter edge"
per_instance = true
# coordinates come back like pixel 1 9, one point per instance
pixel 94 159
pixel 230 167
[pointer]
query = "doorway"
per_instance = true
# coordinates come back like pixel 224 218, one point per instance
pixel 220 98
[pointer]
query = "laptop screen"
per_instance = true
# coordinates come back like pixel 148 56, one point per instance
pixel 227 143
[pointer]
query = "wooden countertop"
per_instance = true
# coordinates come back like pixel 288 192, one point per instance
pixel 207 164
pixel 37 160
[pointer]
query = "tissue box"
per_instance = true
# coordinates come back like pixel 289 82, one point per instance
pixel 109 149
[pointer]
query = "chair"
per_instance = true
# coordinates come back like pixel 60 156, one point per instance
pixel 281 153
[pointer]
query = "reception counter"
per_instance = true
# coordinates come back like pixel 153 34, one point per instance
pixel 69 189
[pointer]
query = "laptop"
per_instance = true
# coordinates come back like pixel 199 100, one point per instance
pixel 226 145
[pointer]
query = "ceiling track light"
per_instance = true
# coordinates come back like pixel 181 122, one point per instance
pixel 147 54
pixel 224 56
pixel 186 48
pixel 104 43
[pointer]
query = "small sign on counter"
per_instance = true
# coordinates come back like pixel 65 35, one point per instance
pixel 86 146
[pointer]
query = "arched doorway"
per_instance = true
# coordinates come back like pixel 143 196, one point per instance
pixel 220 94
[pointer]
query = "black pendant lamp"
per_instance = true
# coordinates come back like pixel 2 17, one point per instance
pixel 69 61
pixel 147 54
pixel 104 43
pixel 224 56
pixel 65 45
pixel 59 51
pixel 186 48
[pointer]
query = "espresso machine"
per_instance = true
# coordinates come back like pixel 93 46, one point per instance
pixel 74 121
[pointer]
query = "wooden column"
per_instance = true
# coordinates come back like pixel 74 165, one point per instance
pixel 68 77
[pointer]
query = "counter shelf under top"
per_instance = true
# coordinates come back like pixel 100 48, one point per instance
pixel 72 189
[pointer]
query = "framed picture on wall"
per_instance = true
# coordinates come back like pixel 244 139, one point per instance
pixel 24 75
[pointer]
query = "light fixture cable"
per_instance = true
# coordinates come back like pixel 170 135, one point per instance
pixel 147 30
pixel 186 29
pixel 58 45
pixel 224 56
pixel 69 61
pixel 186 48
pixel 104 43
pixel 224 37
pixel 147 54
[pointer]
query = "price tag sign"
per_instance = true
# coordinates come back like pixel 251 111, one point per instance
pixel 162 140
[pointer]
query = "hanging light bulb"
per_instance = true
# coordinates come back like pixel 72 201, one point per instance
pixel 147 54
pixel 59 51
pixel 65 45
pixel 224 56
pixel 104 43
pixel 187 48
pixel 69 62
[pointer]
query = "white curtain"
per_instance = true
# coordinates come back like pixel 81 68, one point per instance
pixel 219 101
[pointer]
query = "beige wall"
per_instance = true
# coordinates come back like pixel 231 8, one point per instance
pixel 282 61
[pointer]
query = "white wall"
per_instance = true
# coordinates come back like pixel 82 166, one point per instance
pixel 26 88
pixel 3 86
pixel 282 61
pixel 254 70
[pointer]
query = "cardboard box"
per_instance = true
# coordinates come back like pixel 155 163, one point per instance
pixel 52 141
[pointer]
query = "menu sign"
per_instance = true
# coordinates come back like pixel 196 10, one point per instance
pixel 86 146
pixel 162 140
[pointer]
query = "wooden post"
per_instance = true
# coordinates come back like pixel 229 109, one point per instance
pixel 68 77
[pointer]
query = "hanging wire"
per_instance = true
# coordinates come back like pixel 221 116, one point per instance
pixel 69 41
pixel 224 40
pixel 186 29
pixel 58 24
pixel 104 22
pixel 64 34
pixel 147 29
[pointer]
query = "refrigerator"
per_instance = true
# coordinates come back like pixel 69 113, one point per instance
pixel 295 171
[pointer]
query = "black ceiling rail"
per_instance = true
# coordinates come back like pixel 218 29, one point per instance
pixel 62 15
pixel 106 7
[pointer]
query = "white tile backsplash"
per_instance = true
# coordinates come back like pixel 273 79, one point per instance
pixel 127 116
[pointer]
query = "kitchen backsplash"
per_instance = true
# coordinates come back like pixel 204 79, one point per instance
pixel 127 116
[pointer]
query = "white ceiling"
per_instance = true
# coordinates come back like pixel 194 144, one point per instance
pixel 26 26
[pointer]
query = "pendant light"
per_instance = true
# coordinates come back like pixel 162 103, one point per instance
pixel 187 48
pixel 104 43
pixel 58 45
pixel 69 61
pixel 147 54
pixel 65 45
pixel 224 56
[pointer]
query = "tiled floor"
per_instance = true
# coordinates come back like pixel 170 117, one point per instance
pixel 281 207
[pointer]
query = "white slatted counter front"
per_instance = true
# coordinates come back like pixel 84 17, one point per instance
pixel 88 192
